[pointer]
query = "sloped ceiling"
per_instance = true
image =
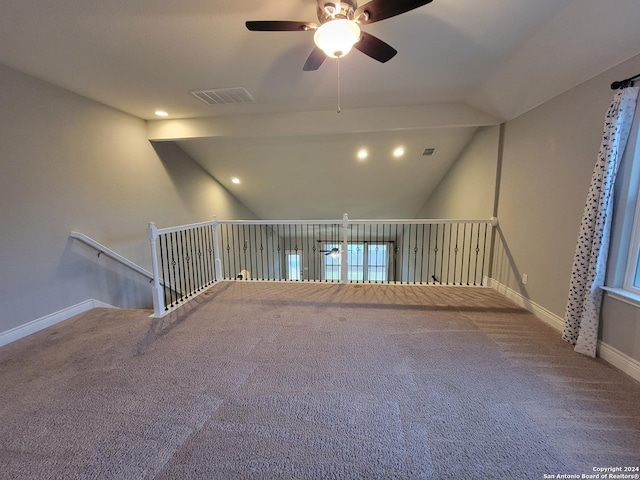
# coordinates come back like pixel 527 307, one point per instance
pixel 474 63
pixel 320 176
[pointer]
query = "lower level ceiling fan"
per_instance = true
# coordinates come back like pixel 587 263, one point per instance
pixel 334 252
pixel 339 28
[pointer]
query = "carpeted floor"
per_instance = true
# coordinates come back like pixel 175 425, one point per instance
pixel 273 380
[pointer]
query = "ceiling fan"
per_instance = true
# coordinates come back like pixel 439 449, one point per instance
pixel 339 28
pixel 334 252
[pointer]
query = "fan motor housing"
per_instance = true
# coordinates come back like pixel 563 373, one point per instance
pixel 339 9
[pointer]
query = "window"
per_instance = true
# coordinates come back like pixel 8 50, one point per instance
pixel 378 262
pixel 332 262
pixel 632 274
pixel 623 272
pixel 365 262
pixel 355 260
pixel 294 264
pixel 632 157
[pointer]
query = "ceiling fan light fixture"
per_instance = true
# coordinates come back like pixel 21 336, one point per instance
pixel 337 37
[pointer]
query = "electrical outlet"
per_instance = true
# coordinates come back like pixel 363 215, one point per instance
pixel 525 278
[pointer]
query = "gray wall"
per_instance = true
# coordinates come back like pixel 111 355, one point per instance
pixel 467 190
pixel 69 163
pixel 549 155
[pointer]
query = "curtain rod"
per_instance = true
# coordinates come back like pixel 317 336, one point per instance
pixel 624 83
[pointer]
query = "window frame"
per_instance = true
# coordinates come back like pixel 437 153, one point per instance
pixel 624 246
pixel 632 253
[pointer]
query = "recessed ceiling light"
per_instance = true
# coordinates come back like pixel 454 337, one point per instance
pixel 235 180
pixel 362 154
pixel 161 113
pixel 398 152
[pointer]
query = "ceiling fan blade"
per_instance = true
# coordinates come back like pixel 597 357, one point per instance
pixel 375 48
pixel 377 10
pixel 280 26
pixel 314 61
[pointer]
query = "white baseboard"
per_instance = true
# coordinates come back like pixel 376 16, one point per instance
pixel 620 360
pixel 539 311
pixel 49 320
pixel 609 354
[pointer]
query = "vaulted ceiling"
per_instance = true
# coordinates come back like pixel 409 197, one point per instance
pixel 461 64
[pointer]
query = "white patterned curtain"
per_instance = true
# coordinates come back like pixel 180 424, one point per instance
pixel 582 317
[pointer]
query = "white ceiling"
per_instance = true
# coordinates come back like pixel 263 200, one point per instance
pixel 498 58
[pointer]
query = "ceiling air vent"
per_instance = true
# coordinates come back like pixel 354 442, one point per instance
pixel 428 152
pixel 224 96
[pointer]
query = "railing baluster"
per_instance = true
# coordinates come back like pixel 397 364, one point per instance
pixel 277 255
pixel 307 273
pixel 469 259
pixel 162 269
pixel 402 257
pixel 195 259
pixel 223 236
pixel 269 229
pixel 212 251
pixel 415 257
pixel 441 252
pixel 185 263
pixel 189 261
pixel 389 275
pixel 176 264
pixel 205 258
pixel 314 249
pixel 429 256
pixel 204 241
pixel 377 270
pixel 484 254
pixel 424 278
pixel 455 257
pixel 395 253
pixel 249 266
pixel 244 250
pixel 238 250
pixel 197 251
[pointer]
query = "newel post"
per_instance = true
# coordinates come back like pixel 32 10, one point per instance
pixel 344 266
pixel 158 298
pixel 216 250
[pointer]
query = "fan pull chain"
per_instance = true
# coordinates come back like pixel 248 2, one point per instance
pixel 338 70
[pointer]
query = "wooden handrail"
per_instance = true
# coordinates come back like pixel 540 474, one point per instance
pixel 110 253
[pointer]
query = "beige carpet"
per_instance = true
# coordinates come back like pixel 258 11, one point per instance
pixel 274 380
